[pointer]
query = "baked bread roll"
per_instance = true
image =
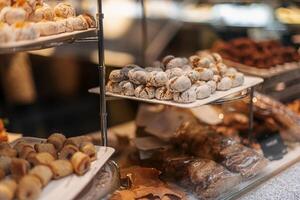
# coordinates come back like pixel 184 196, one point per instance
pixel 117 76
pixel 78 23
pixel 127 88
pixel 61 168
pixel 25 31
pixel 46 147
pixel 11 15
pixel 19 168
pixel 64 10
pixel 174 72
pixel 67 152
pixel 6 33
pixel 42 159
pixel 47 28
pixel 179 84
pixel 187 96
pixel 43 173
pixel 89 149
pixel 138 76
pixel 144 92
pixel 8 188
pixel 58 140
pixel 90 20
pixel 81 163
pixel 42 12
pixel 224 84
pixel 163 93
pixel 113 87
pixel 157 79
pixel 29 188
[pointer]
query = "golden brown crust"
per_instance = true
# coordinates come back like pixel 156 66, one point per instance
pixel 29 188
pixel 81 163
pixel 8 188
pixel 67 152
pixel 89 149
pixel 43 173
pixel 19 168
pixel 58 140
pixel 61 168
pixel 42 159
pixel 46 147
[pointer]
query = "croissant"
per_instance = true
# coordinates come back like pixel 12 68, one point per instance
pixel 58 140
pixel 67 152
pixel 29 188
pixel 8 188
pixel 61 168
pixel 43 173
pixel 81 163
pixel 46 147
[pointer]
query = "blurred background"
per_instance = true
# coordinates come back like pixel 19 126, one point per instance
pixel 47 91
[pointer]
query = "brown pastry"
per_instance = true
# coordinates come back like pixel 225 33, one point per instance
pixel 19 168
pixel 67 152
pixel 90 20
pixel 43 173
pixel 46 147
pixel 58 140
pixel 77 141
pixel 89 149
pixel 81 163
pixel 5 163
pixel 8 188
pixel 61 168
pixel 64 10
pixel 7 150
pixel 24 149
pixel 42 12
pixel 29 188
pixel 43 158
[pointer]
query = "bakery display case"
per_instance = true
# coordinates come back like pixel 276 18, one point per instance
pixel 208 123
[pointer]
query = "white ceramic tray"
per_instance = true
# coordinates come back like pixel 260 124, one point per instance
pixel 249 82
pixel 69 187
pixel 45 42
pixel 264 73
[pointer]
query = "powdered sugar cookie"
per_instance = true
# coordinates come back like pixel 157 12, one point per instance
pixel 179 84
pixel 187 96
pixel 117 76
pixel 224 84
pixel 202 91
pixel 157 79
pixel 175 72
pixel 212 85
pixel 127 88
pixel 193 75
pixel 205 73
pixel 138 76
pixel 163 93
pixel 113 87
pixel 144 92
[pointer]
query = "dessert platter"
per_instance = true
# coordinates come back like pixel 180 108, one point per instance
pixel 181 82
pixel 264 59
pixel 33 168
pixel 34 25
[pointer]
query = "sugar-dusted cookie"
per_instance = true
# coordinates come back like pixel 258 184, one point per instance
pixel 187 96
pixel 117 76
pixel 127 88
pixel 163 93
pixel 113 87
pixel 179 84
pixel 144 92
pixel 213 86
pixel 157 79
pixel 224 84
pixel 175 72
pixel 138 76
pixel 205 73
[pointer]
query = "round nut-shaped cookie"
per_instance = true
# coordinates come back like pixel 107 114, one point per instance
pixel 179 84
pixel 202 91
pixel 231 70
pixel 138 76
pixel 167 59
pixel 187 96
pixel 113 87
pixel 157 79
pixel 175 72
pixel 153 69
pixel 129 67
pixel 193 75
pixel 144 92
pixel 127 88
pixel 212 85
pixel 194 60
pixel 163 93
pixel 117 76
pixel 237 79
pixel 222 68
pixel 217 78
pixel 205 73
pixel 176 62
pixel 224 84
pixel 204 62
pixel 187 67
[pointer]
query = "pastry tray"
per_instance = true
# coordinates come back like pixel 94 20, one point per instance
pixel 46 41
pixel 69 187
pixel 249 82
pixel 264 73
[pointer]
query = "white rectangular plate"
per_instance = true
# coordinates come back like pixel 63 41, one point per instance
pixel 47 40
pixel 69 187
pixel 249 82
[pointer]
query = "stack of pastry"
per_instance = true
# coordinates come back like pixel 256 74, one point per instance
pixel 26 168
pixel 30 19
pixel 183 80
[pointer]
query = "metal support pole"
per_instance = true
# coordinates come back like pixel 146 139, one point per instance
pixel 144 34
pixel 251 114
pixel 101 68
